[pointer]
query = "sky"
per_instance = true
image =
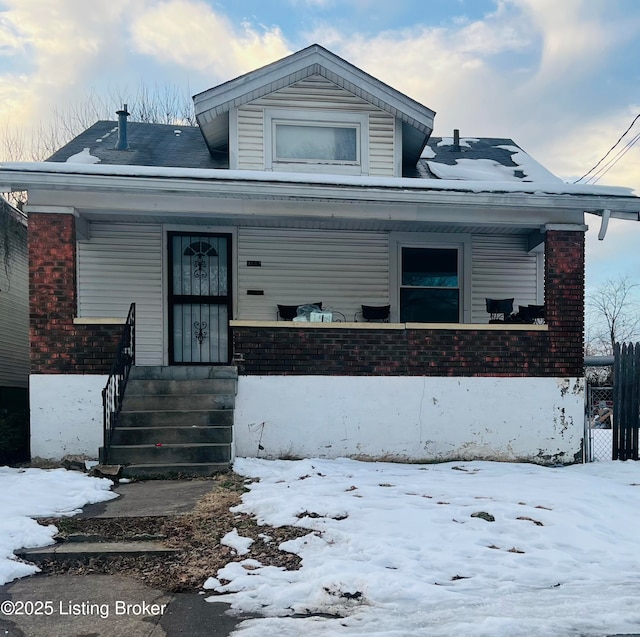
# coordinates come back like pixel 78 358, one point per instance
pixel 560 78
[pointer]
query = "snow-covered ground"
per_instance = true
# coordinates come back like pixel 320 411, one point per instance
pixel 398 550
pixel 29 493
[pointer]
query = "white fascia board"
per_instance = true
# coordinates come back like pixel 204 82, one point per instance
pixel 118 204
pixel 308 187
pixel 308 62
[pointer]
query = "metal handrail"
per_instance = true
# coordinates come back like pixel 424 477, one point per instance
pixel 113 393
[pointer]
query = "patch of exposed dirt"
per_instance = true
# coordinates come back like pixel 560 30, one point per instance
pixel 198 534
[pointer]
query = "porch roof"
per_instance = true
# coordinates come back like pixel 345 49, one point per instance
pixel 265 186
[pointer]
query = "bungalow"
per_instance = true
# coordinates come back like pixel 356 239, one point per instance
pixel 307 182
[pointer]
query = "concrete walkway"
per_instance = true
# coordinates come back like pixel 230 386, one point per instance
pixel 111 605
pixel 108 606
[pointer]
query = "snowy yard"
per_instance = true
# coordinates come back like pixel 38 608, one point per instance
pixel 398 549
pixel 468 548
pixel 29 493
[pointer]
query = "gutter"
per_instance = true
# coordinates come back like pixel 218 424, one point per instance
pixel 294 186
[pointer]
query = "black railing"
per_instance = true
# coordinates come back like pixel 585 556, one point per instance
pixel 113 393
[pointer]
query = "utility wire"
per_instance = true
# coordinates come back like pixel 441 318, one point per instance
pixel 635 119
pixel 595 178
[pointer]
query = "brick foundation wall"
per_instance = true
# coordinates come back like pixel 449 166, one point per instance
pixel 57 345
pixel 556 352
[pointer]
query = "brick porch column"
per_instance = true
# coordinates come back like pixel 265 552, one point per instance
pixel 564 299
pixel 58 346
pixel 52 291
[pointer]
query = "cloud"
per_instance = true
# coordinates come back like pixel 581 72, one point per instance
pixel 313 4
pixel 526 70
pixel 57 46
pixel 192 35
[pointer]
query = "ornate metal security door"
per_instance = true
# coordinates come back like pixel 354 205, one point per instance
pixel 199 298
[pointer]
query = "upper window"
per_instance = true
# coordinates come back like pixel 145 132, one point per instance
pixel 316 141
pixel 296 142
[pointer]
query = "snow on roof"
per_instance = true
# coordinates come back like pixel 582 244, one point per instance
pixel 483 159
pixel 83 157
pixel 551 187
pixel 475 169
pixel 465 142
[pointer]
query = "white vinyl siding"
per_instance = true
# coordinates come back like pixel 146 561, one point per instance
pixel 343 270
pixel 14 304
pixel 122 264
pixel 316 94
pixel 503 269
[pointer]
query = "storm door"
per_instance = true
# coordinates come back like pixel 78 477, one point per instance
pixel 199 298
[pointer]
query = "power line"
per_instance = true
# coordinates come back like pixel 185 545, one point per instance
pixel 635 119
pixel 613 161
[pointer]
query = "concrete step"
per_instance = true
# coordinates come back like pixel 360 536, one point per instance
pixel 170 453
pixel 85 551
pixel 177 418
pixel 182 372
pixel 168 402
pixel 165 435
pixel 172 470
pixel 137 387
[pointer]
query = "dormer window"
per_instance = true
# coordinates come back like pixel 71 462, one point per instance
pixel 316 143
pixel 308 141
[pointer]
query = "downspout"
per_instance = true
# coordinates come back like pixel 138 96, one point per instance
pixel 604 224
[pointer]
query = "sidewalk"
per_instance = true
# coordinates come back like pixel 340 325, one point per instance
pixel 112 605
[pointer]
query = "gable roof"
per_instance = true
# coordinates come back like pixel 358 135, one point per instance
pixel 173 146
pixel 480 159
pixel 149 145
pixel 212 106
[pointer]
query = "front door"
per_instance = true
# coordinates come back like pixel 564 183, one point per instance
pixel 199 298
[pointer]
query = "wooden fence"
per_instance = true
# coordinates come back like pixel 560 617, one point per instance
pixel 626 401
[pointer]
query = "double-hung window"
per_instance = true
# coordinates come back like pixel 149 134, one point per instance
pixel 316 141
pixel 429 277
pixel 430 285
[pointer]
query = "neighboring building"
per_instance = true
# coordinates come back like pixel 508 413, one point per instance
pixel 14 306
pixel 309 180
pixel 14 335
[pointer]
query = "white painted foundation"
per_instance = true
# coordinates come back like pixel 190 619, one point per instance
pixel 410 418
pixel 66 414
pixel 403 418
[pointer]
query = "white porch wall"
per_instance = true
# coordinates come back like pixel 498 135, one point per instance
pixel 122 264
pixel 66 414
pixel 410 418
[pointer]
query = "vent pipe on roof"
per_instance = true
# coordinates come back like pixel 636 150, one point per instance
pixel 456 139
pixel 122 143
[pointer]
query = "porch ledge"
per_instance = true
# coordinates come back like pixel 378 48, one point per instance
pixel 80 320
pixel 512 327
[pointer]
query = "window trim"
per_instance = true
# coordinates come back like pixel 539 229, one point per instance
pixel 461 242
pixel 321 118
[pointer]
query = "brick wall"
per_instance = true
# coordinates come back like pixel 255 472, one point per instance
pixel 557 352
pixel 564 294
pixel 57 345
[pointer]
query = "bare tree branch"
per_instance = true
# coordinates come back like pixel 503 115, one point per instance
pixel 613 315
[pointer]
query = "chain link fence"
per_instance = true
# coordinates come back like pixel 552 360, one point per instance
pixel 599 420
